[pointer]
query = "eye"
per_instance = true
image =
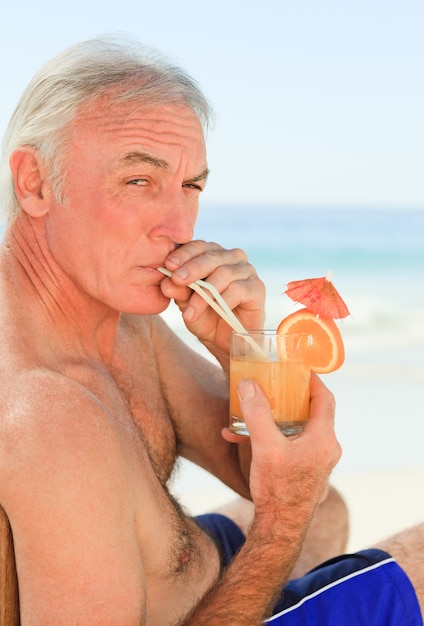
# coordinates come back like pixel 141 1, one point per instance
pixel 138 181
pixel 192 186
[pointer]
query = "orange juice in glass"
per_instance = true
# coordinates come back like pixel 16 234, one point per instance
pixel 277 364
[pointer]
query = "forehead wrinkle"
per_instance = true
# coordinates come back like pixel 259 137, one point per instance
pixel 135 126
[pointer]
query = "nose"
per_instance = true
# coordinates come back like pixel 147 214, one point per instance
pixel 176 217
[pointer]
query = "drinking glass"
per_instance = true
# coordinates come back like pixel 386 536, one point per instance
pixel 277 364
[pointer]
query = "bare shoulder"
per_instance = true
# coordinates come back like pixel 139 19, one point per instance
pixel 40 396
pixel 50 420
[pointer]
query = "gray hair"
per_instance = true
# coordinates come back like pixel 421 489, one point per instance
pixel 77 76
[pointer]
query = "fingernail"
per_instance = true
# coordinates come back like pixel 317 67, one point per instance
pixel 188 314
pixel 182 273
pixel 246 390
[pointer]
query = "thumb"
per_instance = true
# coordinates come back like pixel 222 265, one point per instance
pixel 256 410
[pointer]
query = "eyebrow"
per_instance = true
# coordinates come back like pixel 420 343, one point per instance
pixel 202 176
pixel 145 157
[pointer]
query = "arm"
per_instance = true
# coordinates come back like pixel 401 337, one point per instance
pixel 231 273
pixel 196 392
pixel 287 481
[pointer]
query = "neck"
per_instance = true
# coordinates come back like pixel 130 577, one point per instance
pixel 39 296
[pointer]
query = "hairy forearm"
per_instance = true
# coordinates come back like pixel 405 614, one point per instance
pixel 288 477
pixel 245 594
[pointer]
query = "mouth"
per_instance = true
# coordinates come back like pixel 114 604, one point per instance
pixel 152 275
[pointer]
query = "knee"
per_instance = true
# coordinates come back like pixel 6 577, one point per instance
pixel 337 512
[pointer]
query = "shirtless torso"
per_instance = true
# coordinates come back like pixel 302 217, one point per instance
pixel 110 426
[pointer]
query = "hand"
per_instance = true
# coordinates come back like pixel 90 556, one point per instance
pixel 288 475
pixel 230 273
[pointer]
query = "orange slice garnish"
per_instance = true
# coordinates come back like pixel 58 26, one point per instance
pixel 326 351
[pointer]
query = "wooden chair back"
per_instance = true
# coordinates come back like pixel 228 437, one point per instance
pixel 9 595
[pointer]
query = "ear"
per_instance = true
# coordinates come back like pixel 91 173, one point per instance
pixel 29 179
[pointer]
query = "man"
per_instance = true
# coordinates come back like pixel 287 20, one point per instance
pixel 105 161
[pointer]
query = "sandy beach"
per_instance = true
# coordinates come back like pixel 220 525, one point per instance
pixel 380 502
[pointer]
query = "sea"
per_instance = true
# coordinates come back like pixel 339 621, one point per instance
pixel 376 259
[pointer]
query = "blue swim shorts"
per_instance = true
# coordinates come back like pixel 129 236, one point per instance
pixel 363 589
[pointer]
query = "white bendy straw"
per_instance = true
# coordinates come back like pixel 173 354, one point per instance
pixel 220 306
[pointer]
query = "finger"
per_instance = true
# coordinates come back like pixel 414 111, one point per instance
pixel 228 435
pixel 227 270
pixel 257 415
pixel 322 406
pixel 180 294
pixel 191 305
pixel 321 421
pixel 199 259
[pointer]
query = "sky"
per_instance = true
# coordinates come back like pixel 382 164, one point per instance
pixel 318 102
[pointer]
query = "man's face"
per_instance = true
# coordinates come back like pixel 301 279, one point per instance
pixel 132 185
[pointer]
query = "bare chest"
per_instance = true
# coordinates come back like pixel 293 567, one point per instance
pixel 138 381
pixel 179 560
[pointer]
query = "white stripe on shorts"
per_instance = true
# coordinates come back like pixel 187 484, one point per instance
pixel 329 586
